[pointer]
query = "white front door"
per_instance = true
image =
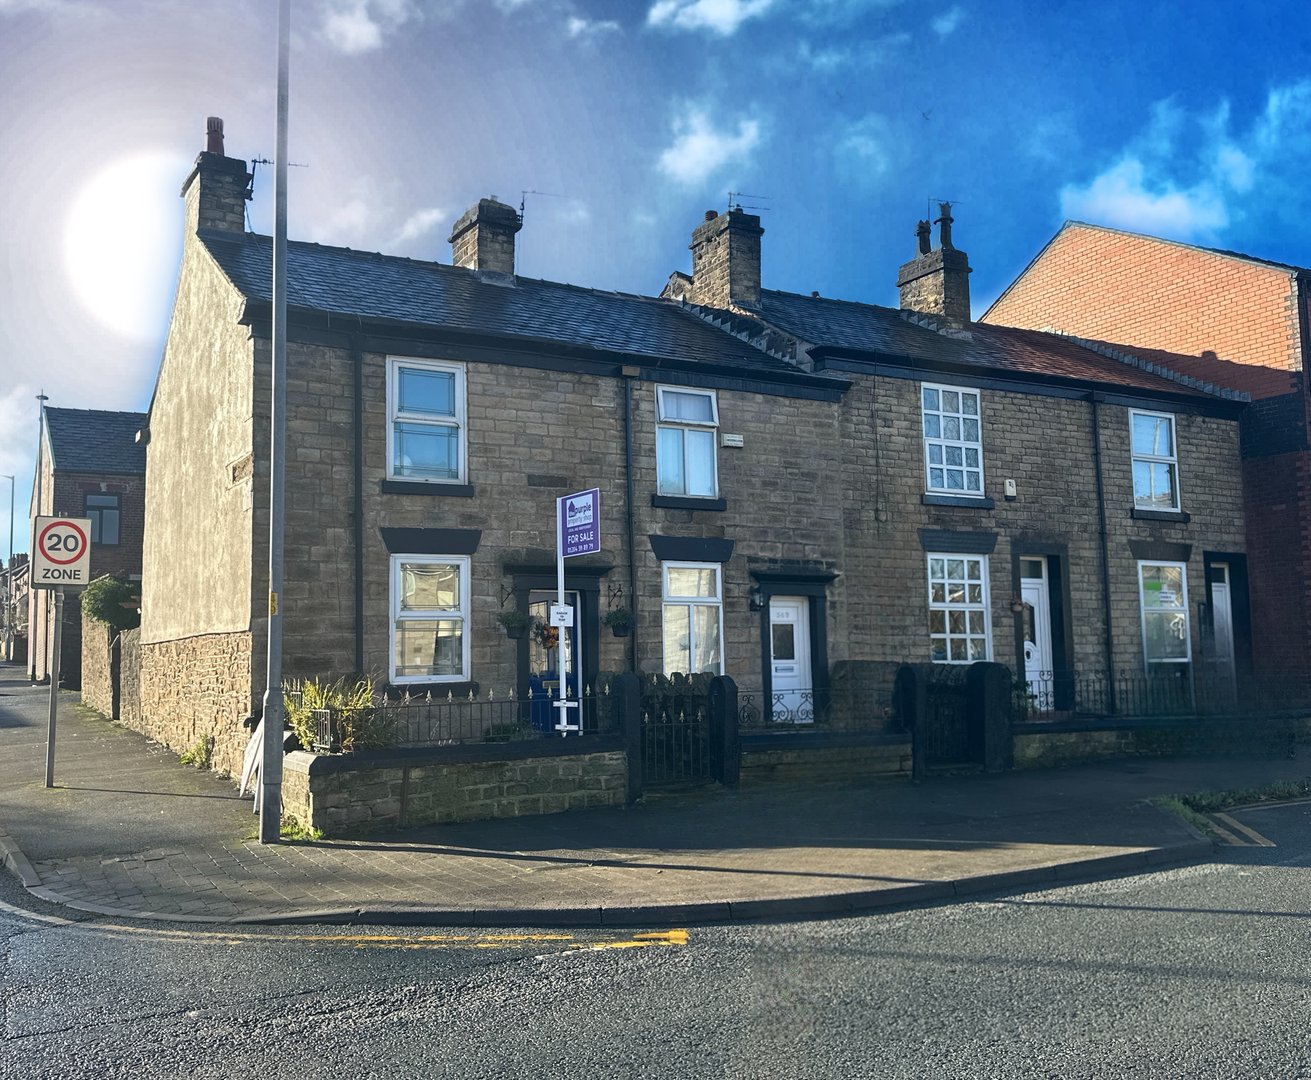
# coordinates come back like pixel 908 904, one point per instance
pixel 1222 620
pixel 1037 632
pixel 789 658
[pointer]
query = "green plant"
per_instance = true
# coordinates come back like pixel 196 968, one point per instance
pixel 619 619
pixel 200 755
pixel 359 726
pixel 516 623
pixel 293 830
pixel 113 601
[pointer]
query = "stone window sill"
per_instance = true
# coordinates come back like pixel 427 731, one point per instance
pixel 423 487
pixel 682 502
pixel 976 502
pixel 1160 515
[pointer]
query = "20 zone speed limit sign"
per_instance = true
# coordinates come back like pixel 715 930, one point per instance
pixel 62 552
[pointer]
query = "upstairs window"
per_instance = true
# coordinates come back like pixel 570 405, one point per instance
pixel 1155 461
pixel 953 441
pixel 426 420
pixel 429 610
pixel 685 442
pixel 103 511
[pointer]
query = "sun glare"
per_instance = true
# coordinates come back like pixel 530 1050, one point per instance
pixel 122 243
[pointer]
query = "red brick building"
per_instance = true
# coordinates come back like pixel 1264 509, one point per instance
pixel 89 465
pixel 1239 322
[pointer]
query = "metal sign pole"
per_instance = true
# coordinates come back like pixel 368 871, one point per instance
pixel 54 687
pixel 562 702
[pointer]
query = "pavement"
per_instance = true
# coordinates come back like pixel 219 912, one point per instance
pixel 129 831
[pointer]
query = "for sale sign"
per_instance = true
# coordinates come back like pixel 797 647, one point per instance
pixel 580 523
pixel 61 552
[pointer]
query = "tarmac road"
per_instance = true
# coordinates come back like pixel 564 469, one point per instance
pixel 1197 972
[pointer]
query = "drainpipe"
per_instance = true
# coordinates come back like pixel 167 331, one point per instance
pixel 1101 532
pixel 357 362
pixel 626 379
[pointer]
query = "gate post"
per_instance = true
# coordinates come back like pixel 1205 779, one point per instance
pixel 725 750
pixel 909 700
pixel 626 690
pixel 988 706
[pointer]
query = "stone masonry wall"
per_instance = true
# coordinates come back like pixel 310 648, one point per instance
pixel 805 766
pixel 97 676
pixel 339 803
pixel 1045 445
pixel 129 676
pixel 196 689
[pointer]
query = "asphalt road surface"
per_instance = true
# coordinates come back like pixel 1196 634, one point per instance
pixel 1198 972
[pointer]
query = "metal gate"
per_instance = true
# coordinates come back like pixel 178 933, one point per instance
pixel 946 717
pixel 676 733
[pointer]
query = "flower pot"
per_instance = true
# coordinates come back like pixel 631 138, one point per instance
pixel 515 633
pixel 621 631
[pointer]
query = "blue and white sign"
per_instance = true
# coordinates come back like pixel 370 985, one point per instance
pixel 580 523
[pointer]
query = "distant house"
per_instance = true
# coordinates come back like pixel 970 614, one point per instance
pixel 89 465
pixel 1229 320
pixel 795 491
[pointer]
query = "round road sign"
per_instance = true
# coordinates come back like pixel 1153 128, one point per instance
pixel 62 542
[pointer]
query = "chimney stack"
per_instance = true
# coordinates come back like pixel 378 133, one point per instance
pixel 937 281
pixel 726 259
pixel 218 187
pixel 483 238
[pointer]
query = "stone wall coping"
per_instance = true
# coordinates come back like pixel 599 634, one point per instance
pixel 302 761
pixel 821 740
pixel 1139 723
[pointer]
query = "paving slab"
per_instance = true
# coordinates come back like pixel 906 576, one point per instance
pixel 129 831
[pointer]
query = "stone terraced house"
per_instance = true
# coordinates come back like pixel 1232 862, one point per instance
pixel 795 491
pixel 1232 320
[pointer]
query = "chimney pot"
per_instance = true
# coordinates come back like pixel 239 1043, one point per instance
pixel 944 226
pixel 214 135
pixel 922 236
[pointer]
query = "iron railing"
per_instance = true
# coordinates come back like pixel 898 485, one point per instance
pixel 1178 690
pixel 434 720
pixel 846 709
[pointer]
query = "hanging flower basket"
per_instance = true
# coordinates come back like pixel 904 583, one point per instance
pixel 620 621
pixel 516 624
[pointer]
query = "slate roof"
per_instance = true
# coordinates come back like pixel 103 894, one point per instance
pixel 373 286
pixel 843 324
pixel 93 441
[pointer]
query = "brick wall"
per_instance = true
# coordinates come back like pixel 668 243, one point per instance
pixel 1136 290
pixel 363 799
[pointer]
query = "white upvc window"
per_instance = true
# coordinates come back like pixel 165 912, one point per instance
pixel 426 430
pixel 430 618
pixel 687 423
pixel 953 440
pixel 1163 588
pixel 960 625
pixel 1155 461
pixel 692 618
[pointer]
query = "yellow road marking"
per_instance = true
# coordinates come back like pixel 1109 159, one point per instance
pixel 396 941
pixel 1250 833
pixel 1229 838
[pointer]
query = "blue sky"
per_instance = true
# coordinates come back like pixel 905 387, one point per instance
pixel 841 119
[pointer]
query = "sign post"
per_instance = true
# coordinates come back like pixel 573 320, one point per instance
pixel 577 532
pixel 61 558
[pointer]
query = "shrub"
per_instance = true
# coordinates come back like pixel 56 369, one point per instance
pixel 104 600
pixel 359 725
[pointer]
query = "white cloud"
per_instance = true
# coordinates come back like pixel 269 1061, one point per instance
pixel 836 12
pixel 79 8
pixel 359 26
pixel 418 224
pixel 945 23
pixel 699 150
pixel 1189 176
pixel 577 27
pixel 1126 197
pixel 863 54
pixel 718 16
pixel 864 149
